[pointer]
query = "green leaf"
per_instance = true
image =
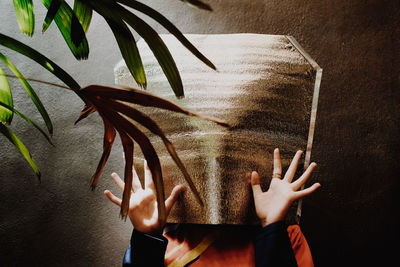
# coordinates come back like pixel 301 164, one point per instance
pixel 27 120
pixel 53 9
pixel 5 97
pixel 156 44
pixel 40 59
pixel 25 14
pixel 198 4
pixel 21 147
pixel 84 13
pixel 30 92
pixel 169 26
pixel 71 30
pixel 129 50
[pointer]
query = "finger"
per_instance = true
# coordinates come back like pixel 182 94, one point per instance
pixel 118 181
pixel 277 172
pixel 255 184
pixel 293 167
pixel 148 180
pixel 170 201
pixel 114 199
pixel 307 191
pixel 136 185
pixel 304 177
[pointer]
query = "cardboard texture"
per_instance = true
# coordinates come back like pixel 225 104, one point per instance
pixel 266 87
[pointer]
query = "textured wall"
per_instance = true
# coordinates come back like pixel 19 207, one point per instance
pixel 356 142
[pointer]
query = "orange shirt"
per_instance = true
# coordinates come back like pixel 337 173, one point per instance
pixel 224 246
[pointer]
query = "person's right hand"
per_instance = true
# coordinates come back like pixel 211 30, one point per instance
pixel 143 210
pixel 272 206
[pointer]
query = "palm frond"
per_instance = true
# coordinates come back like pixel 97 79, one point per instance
pixel 84 13
pixel 51 12
pixel 169 26
pixel 143 98
pixel 129 50
pixel 128 146
pixel 6 115
pixel 25 14
pixel 28 120
pixel 111 103
pixel 6 131
pixel 151 125
pixel 109 137
pixel 40 59
pixel 71 29
pixel 156 44
pixel 198 4
pixel 32 94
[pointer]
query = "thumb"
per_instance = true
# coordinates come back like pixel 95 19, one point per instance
pixel 170 201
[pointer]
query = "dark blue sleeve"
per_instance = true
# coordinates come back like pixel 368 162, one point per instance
pixel 273 248
pixel 145 250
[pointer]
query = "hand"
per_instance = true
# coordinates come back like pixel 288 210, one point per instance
pixel 143 211
pixel 272 206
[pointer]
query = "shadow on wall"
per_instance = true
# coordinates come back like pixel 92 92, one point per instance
pixel 357 45
pixel 355 145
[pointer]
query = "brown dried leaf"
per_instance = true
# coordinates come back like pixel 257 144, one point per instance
pixel 123 125
pixel 109 137
pixel 128 146
pixel 142 98
pixel 150 124
pixel 86 111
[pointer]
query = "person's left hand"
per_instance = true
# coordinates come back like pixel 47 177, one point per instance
pixel 272 205
pixel 143 211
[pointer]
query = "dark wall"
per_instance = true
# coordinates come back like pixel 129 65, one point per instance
pixel 356 145
pixel 350 219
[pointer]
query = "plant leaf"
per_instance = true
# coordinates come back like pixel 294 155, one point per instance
pixel 86 111
pixel 21 147
pixel 67 23
pixel 150 124
pixel 142 98
pixel 84 13
pixel 129 50
pixel 30 92
pixel 53 9
pixel 40 59
pixel 128 146
pixel 123 125
pixel 27 120
pixel 198 4
pixel 5 97
pixel 156 44
pixel 109 137
pixel 169 26
pixel 25 14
